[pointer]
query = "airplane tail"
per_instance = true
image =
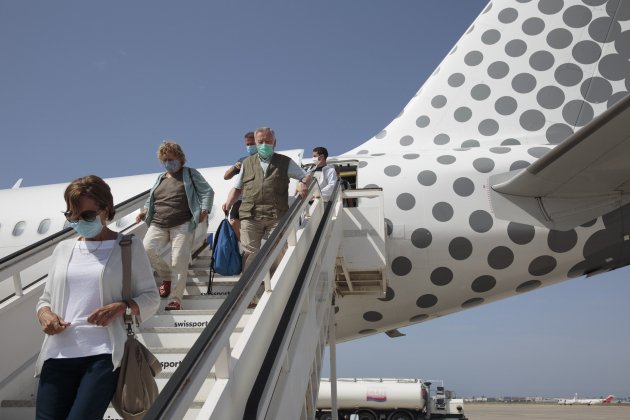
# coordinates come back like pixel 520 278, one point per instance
pixel 608 399
pixel 524 73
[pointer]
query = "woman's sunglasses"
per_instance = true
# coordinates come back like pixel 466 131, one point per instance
pixel 88 216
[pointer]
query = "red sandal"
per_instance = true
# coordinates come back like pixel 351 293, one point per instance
pixel 165 288
pixel 173 305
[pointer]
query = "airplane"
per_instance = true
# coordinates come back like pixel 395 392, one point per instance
pixel 586 401
pixel 505 173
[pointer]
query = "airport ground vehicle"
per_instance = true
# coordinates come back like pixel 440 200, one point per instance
pixel 388 399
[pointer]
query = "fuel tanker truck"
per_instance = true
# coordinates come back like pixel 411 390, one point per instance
pixel 388 399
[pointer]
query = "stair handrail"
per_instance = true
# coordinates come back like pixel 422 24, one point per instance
pixel 265 373
pixel 206 349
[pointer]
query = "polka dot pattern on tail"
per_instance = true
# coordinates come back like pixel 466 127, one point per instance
pixel 405 201
pixel 427 178
pixel 442 212
pixel 463 187
pixel 441 276
pixel 406 141
pixel 389 295
pixel 460 248
pixel 520 234
pixel 562 241
pixel 401 266
pixel 480 221
pixel 500 257
pixel 483 165
pixel 392 170
pixel 472 302
pixel 372 316
pixel 426 301
pixel 421 238
pixel 483 284
pixel 542 265
pixel 528 286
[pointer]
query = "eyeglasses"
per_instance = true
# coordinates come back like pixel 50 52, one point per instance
pixel 88 216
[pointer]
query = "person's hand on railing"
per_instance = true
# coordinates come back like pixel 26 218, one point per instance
pixel 302 186
pixel 141 216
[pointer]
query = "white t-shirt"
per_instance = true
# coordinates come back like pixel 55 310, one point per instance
pixel 82 297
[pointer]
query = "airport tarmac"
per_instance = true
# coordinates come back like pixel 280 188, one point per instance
pixel 492 411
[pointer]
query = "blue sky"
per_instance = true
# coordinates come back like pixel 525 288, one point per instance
pixel 94 87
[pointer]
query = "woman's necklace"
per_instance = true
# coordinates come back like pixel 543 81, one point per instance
pixel 87 250
pixel 105 235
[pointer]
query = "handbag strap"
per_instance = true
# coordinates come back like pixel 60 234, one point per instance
pixel 125 248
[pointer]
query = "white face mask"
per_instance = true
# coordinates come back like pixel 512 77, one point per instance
pixel 316 160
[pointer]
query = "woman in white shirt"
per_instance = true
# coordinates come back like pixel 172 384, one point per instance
pixel 81 308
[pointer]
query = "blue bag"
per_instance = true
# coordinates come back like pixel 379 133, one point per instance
pixel 226 256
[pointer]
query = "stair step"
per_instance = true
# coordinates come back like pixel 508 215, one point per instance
pixel 211 302
pixel 172 337
pixel 191 319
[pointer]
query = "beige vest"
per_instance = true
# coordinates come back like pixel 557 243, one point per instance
pixel 265 196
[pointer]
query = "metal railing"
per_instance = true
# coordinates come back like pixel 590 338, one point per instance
pixel 266 374
pixel 14 264
pixel 212 348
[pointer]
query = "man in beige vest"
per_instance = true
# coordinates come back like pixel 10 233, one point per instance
pixel 264 183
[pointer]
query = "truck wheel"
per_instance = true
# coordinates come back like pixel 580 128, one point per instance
pixel 402 415
pixel 324 416
pixel 367 415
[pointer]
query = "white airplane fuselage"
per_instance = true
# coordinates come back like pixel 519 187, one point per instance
pixel 446 252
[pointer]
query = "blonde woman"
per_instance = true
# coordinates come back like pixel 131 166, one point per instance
pixel 179 200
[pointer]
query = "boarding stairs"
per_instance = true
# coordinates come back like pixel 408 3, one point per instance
pixel 222 360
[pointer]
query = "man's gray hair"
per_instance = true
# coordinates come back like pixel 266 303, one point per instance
pixel 266 130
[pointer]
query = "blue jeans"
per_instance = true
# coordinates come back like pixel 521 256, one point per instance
pixel 78 388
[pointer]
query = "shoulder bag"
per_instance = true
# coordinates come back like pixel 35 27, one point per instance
pixel 136 390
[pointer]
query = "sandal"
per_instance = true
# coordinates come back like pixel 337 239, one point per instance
pixel 173 305
pixel 165 288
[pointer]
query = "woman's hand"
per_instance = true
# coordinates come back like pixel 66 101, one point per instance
pixel 141 216
pixel 104 315
pixel 50 322
pixel 202 215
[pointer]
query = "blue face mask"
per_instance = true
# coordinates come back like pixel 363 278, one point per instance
pixel 172 166
pixel 265 151
pixel 252 150
pixel 87 229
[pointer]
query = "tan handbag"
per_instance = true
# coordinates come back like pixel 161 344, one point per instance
pixel 136 389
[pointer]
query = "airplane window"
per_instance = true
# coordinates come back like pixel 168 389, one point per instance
pixel 43 227
pixel 19 228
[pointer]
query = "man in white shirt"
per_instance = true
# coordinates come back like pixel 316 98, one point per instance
pixel 325 174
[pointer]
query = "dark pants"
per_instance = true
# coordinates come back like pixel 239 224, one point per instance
pixel 77 388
